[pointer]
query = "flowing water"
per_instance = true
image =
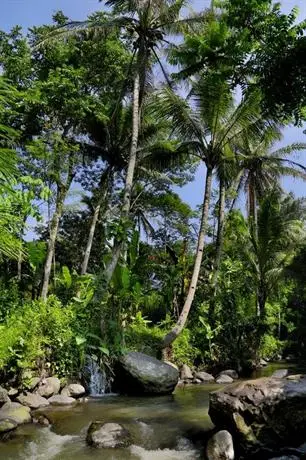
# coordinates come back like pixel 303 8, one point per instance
pixel 162 428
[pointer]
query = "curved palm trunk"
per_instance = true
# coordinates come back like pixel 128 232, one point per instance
pixel 219 244
pixel 172 335
pixel 52 239
pixel 118 245
pixel 103 194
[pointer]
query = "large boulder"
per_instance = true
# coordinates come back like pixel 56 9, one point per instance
pixel 220 446
pixel 61 400
pixel 265 411
pixel 223 378
pixel 51 386
pixel 107 435
pixel 137 373
pixel 34 401
pixel 74 389
pixel 204 377
pixel 12 415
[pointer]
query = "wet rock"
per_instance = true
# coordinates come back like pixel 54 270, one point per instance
pixel 137 373
pixel 74 389
pixel 16 413
pixel 107 435
pixel 197 381
pixel 4 398
pixel 220 446
pixel 224 379
pixel 186 373
pixel 61 400
pixel 34 401
pixel 13 392
pixel 7 424
pixel 280 374
pixel 231 373
pixel 296 377
pixel 267 411
pixel 204 377
pixel 51 386
pixel 41 420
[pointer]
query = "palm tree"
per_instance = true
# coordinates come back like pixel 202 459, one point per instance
pixel 146 24
pixel 209 122
pixel 280 232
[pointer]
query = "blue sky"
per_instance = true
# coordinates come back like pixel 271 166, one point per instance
pixel 34 12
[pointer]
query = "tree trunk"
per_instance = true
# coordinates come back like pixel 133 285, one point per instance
pixel 52 239
pixel 103 186
pixel 172 335
pixel 219 244
pixel 119 245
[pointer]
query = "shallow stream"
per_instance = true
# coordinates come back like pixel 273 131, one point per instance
pixel 162 428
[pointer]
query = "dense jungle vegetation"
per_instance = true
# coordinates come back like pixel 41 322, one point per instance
pixel 102 122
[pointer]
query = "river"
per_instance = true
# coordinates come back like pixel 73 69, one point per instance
pixel 162 428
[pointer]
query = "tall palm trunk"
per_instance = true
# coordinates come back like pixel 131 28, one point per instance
pixel 172 335
pixel 118 245
pixel 103 191
pixel 219 244
pixel 61 195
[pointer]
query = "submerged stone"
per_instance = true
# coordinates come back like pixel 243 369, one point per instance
pixel 220 446
pixel 107 435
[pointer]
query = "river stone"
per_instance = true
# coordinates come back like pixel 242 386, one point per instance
pixel 12 392
pixel 186 373
pixel 51 386
pixel 34 401
pixel 61 400
pixel 220 446
pixel 204 377
pixel 224 379
pixel 137 373
pixel 231 373
pixel 264 411
pixel 15 412
pixel 107 435
pixel 295 377
pixel 74 389
pixel 4 398
pixel 7 424
pixel 280 374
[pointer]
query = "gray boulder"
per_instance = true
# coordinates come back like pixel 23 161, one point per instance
pixel 280 374
pixel 231 373
pixel 265 411
pixel 222 379
pixel 186 373
pixel 204 377
pixel 107 435
pixel 220 446
pixel 50 386
pixel 74 389
pixel 34 401
pixel 4 398
pixel 61 400
pixel 137 373
pixel 16 413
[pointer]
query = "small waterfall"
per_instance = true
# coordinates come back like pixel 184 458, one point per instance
pixel 98 383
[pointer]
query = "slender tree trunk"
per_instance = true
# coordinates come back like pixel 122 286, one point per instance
pixel 219 244
pixel 52 239
pixel 172 335
pixel 119 245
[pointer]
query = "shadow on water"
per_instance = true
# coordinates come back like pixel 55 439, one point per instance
pixel 161 427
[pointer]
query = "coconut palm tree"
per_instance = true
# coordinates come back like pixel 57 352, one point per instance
pixel 209 122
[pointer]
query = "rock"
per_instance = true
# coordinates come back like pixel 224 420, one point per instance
pixel 4 398
pixel 16 413
pixel 268 410
pixel 220 446
pixel 61 400
pixel 197 381
pixel 296 377
pixel 7 425
pixel 74 389
pixel 107 435
pixel 51 386
pixel 34 401
pixel 224 379
pixel 12 392
pixel 231 373
pixel 263 362
pixel 280 374
pixel 41 420
pixel 204 377
pixel 185 373
pixel 137 373
pixel 32 383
